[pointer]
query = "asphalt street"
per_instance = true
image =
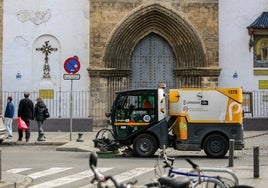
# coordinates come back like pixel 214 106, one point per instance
pixel 75 141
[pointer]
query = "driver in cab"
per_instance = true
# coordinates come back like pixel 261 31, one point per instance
pixel 146 103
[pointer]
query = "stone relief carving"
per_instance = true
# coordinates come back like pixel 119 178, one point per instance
pixel 36 17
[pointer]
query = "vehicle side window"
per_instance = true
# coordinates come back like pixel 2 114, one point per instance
pixel 131 102
pixel 120 103
pixel 133 108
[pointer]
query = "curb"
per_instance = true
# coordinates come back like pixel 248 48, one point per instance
pixel 12 143
pixel 15 180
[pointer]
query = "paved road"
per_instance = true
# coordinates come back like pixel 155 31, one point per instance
pixel 243 163
pixel 124 169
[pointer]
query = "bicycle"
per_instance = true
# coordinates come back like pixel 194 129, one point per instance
pixel 101 179
pixel 197 175
pixel 188 180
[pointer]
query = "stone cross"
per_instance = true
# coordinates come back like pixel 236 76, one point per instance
pixel 46 49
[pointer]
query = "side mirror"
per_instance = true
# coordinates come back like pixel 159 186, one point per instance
pixel 93 160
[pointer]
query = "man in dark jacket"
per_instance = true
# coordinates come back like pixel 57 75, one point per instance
pixel 26 112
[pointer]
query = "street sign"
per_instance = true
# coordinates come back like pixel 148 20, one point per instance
pixel 71 76
pixel 72 65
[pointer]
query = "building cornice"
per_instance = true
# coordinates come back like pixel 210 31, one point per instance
pixel 200 71
pixel 108 72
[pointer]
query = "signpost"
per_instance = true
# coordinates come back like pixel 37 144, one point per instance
pixel 71 66
pixel 71 76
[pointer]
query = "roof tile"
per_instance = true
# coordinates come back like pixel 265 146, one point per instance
pixel 260 22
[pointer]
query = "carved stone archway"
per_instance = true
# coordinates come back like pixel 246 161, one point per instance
pixel 191 67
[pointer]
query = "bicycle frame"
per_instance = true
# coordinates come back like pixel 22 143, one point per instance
pixel 198 178
pixel 197 175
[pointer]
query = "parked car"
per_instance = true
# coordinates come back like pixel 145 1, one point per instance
pixel 2 129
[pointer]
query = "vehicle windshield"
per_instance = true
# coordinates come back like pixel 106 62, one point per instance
pixel 132 111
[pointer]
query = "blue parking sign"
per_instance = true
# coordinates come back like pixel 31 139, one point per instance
pixel 72 65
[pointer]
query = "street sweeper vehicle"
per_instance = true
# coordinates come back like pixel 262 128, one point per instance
pixel 187 119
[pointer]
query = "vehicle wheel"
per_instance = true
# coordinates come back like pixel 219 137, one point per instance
pixel 1 141
pixel 145 145
pixel 216 146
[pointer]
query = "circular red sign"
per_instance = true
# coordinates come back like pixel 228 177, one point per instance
pixel 72 65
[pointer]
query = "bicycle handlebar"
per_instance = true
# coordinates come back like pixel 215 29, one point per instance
pixel 168 161
pixel 100 178
pixel 172 159
pixel 194 165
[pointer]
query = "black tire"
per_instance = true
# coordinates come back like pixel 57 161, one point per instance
pixel 1 141
pixel 216 146
pixel 144 145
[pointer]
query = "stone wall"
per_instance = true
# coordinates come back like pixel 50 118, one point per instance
pixel 116 26
pixel 106 15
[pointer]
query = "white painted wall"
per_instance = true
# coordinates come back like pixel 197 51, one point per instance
pixel 64 22
pixel 68 22
pixel 234 55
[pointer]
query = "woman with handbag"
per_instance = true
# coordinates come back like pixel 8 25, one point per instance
pixel 39 115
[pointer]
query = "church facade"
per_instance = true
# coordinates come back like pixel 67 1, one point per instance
pixel 127 44
pixel 145 43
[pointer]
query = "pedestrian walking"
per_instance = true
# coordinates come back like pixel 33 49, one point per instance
pixel 8 117
pixel 26 113
pixel 39 115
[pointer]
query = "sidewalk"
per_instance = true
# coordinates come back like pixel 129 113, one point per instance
pixel 65 141
pixel 68 142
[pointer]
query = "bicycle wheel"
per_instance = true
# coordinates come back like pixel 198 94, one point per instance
pixel 209 182
pixel 159 169
pixel 227 182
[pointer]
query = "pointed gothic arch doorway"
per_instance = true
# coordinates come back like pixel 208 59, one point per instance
pixel 110 70
pixel 152 63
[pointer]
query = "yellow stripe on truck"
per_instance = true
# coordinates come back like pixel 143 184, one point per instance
pixel 131 124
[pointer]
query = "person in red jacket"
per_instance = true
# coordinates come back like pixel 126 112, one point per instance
pixel 146 103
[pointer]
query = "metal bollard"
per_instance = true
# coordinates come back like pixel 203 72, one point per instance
pixel 79 139
pixel 256 170
pixel 231 153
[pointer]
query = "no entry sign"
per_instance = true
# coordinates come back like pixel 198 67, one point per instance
pixel 72 65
